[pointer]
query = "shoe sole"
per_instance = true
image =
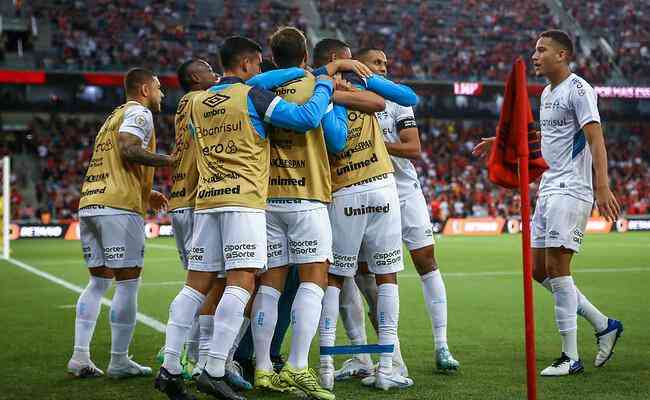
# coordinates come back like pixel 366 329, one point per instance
pixel 576 372
pixel 83 375
pixel 619 332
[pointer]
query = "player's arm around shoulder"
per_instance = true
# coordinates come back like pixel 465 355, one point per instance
pixel 335 128
pixel 135 129
pixel 300 118
pixel 271 79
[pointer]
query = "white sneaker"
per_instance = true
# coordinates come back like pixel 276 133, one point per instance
pixel 126 370
pixel 353 367
pixel 386 382
pixel 327 375
pixel 84 369
pixel 606 341
pixel 563 366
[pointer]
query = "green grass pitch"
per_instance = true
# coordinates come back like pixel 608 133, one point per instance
pixel 484 288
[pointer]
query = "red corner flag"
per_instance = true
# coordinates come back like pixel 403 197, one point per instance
pixel 515 123
pixel 511 159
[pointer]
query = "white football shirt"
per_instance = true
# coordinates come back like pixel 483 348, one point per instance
pixel 564 111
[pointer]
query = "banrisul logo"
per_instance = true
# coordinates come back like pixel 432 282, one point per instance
pixel 215 100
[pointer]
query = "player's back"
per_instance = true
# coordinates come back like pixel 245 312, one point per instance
pixel 185 175
pixel 299 164
pixel 232 158
pixel 564 111
pixel 110 180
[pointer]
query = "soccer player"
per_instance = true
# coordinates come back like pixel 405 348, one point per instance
pixel 569 120
pixel 365 216
pixel 298 226
pixel 115 195
pixel 228 124
pixel 403 144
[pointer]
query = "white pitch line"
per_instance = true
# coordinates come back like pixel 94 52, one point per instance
pixel 143 318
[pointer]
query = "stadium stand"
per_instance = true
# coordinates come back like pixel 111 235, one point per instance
pixel 453 181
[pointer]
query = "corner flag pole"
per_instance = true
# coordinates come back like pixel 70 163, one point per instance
pixel 531 372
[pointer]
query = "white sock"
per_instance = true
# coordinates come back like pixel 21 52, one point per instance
pixel 123 310
pixel 264 317
pixel 566 306
pixel 387 319
pixel 192 341
pixel 228 319
pixel 240 336
pixel 206 326
pixel 353 317
pixel 585 309
pixel 328 319
pixel 397 353
pixel 181 318
pixel 368 288
pixel 305 316
pixel 88 307
pixel 435 297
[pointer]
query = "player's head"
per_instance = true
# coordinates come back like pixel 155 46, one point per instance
pixel 196 74
pixel 328 50
pixel 289 47
pixel 241 56
pixel 553 52
pixel 375 59
pixel 142 85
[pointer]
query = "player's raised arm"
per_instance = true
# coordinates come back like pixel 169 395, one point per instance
pixel 274 110
pixel 335 128
pixel 272 79
pixel 360 100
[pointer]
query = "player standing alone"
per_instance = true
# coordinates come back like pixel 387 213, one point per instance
pixel 115 195
pixel 569 119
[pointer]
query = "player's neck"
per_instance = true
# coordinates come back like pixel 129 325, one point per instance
pixel 138 99
pixel 235 74
pixel 558 77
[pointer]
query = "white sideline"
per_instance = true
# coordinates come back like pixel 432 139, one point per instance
pixel 142 318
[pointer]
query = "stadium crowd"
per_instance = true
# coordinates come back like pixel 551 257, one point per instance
pixel 467 40
pixel 454 182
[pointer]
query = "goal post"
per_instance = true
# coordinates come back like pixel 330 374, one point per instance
pixel 5 205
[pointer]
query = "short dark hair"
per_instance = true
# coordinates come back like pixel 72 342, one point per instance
pixel 364 51
pixel 288 46
pixel 236 47
pixel 267 65
pixel 136 77
pixel 560 37
pixel 184 78
pixel 324 48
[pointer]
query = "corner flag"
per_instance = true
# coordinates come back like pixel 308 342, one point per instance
pixel 512 157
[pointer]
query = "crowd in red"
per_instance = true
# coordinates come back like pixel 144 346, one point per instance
pixel 435 39
pixel 453 180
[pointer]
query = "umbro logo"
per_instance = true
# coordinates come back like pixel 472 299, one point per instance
pixel 215 100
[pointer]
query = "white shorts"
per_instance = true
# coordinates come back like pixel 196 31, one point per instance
pixel 417 231
pixel 559 221
pixel 227 240
pixel 183 224
pixel 368 222
pixel 298 237
pixel 114 241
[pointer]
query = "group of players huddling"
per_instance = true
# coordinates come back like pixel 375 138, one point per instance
pixel 308 168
